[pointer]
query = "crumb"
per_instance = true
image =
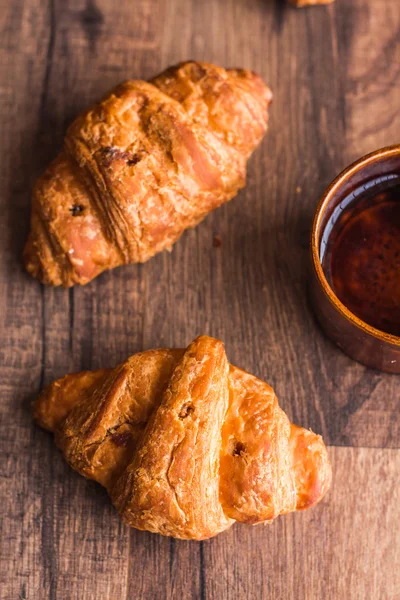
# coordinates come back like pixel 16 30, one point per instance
pixel 298 189
pixel 217 242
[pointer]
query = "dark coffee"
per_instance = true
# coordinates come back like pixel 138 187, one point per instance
pixel 360 253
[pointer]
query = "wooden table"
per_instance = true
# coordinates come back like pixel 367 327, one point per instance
pixel 335 73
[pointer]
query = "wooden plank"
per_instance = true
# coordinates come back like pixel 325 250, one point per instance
pixel 372 75
pixel 24 35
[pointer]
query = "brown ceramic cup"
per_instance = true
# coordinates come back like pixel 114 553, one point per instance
pixel 357 339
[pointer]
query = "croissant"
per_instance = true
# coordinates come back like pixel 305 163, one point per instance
pixel 149 161
pixel 300 3
pixel 185 443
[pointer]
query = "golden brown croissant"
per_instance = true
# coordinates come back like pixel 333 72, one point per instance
pixel 185 443
pixel 300 3
pixel 149 161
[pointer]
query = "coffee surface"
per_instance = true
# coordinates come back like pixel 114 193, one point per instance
pixel 362 254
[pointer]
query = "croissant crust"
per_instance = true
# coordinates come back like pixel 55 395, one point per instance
pixel 147 162
pixel 185 443
pixel 301 3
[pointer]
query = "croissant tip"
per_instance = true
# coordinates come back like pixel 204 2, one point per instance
pixel 31 260
pixel 33 265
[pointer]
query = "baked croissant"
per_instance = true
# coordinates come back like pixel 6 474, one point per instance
pixel 300 3
pixel 185 443
pixel 149 161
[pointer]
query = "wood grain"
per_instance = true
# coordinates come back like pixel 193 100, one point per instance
pixel 346 547
pixel 336 80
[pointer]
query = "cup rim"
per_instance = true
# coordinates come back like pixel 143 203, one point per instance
pixel 362 162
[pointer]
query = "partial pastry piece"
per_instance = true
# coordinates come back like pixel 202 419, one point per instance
pixel 185 443
pixel 300 3
pixel 147 162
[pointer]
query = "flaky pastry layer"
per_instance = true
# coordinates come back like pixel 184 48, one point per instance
pixel 147 162
pixel 185 443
